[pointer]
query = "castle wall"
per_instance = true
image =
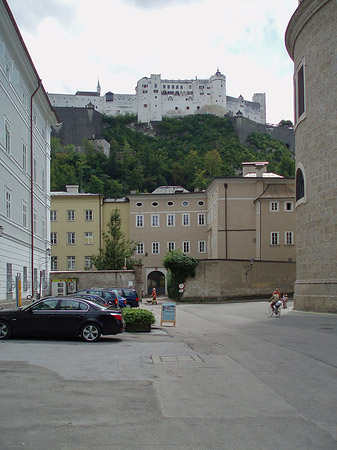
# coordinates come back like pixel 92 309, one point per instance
pixel 244 127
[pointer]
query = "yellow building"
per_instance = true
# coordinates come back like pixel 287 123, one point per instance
pixel 77 222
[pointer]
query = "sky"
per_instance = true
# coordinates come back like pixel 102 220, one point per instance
pixel 73 43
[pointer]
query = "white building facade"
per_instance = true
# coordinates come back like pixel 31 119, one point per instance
pixel 26 117
pixel 157 98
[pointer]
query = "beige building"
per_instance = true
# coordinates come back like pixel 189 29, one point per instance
pixel 241 218
pixel 235 218
pixel 311 41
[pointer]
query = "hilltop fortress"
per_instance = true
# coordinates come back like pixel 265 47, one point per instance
pixel 156 98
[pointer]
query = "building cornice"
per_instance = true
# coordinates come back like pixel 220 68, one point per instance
pixel 305 11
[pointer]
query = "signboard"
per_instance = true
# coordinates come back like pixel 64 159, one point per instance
pixel 168 313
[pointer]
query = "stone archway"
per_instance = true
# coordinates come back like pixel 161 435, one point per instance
pixel 156 279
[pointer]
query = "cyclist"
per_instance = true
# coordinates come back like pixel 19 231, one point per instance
pixel 275 300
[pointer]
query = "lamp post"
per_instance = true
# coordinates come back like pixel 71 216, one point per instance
pixel 1 230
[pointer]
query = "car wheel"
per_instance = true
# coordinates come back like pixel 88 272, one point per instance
pixel 90 332
pixel 127 305
pixel 5 330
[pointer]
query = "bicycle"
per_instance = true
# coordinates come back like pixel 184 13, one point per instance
pixel 274 311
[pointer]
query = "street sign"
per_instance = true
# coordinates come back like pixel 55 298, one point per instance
pixel 181 286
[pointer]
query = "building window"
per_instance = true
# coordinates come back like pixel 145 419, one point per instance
pixel 24 214
pixel 139 221
pixel 88 238
pixel 184 203
pixel 71 263
pixel 53 238
pixel 53 215
pixel 140 248
pixel 71 238
pixel 171 246
pixel 288 238
pixel 201 203
pixel 87 262
pixel 170 203
pixel 186 220
pixel 154 220
pixel 8 203
pixel 201 219
pixel 300 185
pixel 54 264
pixel 88 215
pixel 25 279
pixel 34 169
pixel 170 220
pixel 43 179
pixel 7 137
pixel 274 206
pixel 155 248
pixel 202 246
pixel 300 92
pixel 34 221
pixel 9 277
pixel 70 215
pixel 24 157
pixel 288 206
pixel 186 246
pixel 274 238
pixel 139 204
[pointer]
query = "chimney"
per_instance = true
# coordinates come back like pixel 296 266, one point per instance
pixel 72 189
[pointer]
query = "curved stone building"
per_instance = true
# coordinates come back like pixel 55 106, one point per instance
pixel 311 41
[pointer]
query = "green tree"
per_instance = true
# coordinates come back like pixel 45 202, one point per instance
pixel 117 250
pixel 180 267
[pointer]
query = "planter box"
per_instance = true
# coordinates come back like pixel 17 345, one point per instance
pixel 138 327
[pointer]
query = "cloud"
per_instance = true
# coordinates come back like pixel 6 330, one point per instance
pixel 30 13
pixel 157 4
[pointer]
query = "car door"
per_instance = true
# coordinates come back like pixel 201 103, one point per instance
pixel 70 316
pixel 38 319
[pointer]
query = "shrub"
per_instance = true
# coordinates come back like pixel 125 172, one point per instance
pixel 138 316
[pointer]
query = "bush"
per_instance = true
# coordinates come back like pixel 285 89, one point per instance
pixel 138 316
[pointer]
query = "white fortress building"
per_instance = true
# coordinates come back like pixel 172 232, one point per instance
pixel 157 98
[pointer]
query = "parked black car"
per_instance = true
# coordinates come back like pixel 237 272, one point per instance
pixel 94 298
pixel 61 316
pixel 132 299
pixel 110 297
pixel 107 293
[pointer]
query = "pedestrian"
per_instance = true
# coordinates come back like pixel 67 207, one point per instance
pixel 154 296
pixel 285 300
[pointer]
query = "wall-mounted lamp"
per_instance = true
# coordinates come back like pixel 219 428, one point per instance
pixel 1 230
pixel 48 251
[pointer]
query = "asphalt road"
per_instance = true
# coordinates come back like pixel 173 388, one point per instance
pixel 226 377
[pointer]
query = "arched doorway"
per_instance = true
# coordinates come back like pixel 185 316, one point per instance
pixel 156 280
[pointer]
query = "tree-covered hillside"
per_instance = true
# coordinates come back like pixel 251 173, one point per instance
pixel 188 152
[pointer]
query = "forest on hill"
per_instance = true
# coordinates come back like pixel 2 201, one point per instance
pixel 186 152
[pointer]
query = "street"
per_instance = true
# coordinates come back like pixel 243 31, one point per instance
pixel 226 377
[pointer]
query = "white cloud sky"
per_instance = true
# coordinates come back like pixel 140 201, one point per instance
pixel 75 42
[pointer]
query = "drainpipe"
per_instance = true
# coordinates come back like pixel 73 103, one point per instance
pixel 226 222
pixel 32 184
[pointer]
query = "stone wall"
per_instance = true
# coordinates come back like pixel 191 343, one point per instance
pixel 77 124
pixel 218 280
pixel 104 278
pixel 244 127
